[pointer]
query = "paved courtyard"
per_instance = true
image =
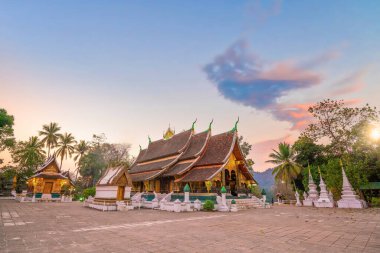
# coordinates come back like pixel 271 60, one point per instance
pixel 69 227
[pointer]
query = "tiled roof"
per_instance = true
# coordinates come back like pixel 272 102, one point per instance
pixel 217 149
pixel 138 177
pixel 49 176
pixel 199 174
pixel 164 148
pixel 144 167
pixel 109 175
pixel 48 161
pixel 177 169
pixel 197 142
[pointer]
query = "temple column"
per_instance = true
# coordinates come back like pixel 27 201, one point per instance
pixel 223 177
pixel 237 174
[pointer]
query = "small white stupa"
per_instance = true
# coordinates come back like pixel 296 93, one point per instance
pixel 324 199
pixel 349 197
pixel 312 194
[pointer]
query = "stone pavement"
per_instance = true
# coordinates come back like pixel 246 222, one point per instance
pixel 69 227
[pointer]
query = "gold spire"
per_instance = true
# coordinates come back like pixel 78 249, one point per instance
pixel 169 133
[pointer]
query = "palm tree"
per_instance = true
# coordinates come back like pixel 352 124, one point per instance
pixel 50 135
pixel 287 169
pixel 80 149
pixel 66 148
pixel 29 153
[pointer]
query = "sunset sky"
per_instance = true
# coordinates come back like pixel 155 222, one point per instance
pixel 130 68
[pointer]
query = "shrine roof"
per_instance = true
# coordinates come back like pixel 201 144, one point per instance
pixel 164 148
pixel 200 174
pixel 218 149
pixel 179 168
pixel 197 144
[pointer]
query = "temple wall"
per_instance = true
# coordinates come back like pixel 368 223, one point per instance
pixel 108 192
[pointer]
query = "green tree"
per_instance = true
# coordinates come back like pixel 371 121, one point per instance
pixel 91 167
pixel 80 150
pixel 29 154
pixel 308 152
pixel 66 148
pixel 287 168
pixel 6 131
pixel 246 149
pixel 334 121
pixel 50 135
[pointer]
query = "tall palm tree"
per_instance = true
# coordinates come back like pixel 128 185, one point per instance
pixel 66 148
pixel 29 153
pixel 287 169
pixel 80 149
pixel 50 135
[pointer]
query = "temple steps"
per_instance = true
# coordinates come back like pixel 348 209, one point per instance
pixel 253 202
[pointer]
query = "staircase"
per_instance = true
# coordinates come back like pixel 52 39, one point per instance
pixel 253 202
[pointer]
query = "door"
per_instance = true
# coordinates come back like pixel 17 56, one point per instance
pixel 48 187
pixel 120 193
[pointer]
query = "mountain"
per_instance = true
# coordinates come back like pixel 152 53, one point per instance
pixel 265 180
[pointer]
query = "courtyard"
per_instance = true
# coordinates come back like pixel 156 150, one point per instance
pixel 69 227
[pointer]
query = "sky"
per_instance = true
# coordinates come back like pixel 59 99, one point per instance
pixel 128 69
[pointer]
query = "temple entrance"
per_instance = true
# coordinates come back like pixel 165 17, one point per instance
pixel 233 183
pixel 165 184
pixel 48 187
pixel 120 193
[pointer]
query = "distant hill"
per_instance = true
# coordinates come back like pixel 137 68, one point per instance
pixel 265 180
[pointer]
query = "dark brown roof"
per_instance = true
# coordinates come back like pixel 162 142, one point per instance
pixel 199 174
pixel 49 176
pixel 197 142
pixel 138 177
pixel 163 148
pixel 140 156
pixel 217 149
pixel 177 169
pixel 48 161
pixel 137 168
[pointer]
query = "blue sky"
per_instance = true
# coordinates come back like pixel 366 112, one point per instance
pixel 129 68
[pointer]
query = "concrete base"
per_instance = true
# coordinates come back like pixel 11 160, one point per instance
pixel 308 202
pixel 324 204
pixel 234 208
pixel 223 208
pixel 352 203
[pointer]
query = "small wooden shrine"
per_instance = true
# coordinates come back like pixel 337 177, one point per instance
pixel 48 181
pixel 114 185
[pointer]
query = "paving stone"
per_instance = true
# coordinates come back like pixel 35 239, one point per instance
pixel 57 227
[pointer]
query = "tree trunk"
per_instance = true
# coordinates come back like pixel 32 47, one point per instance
pixel 60 167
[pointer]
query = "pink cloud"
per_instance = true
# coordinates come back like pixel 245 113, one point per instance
pixel 350 84
pixel 296 114
pixel 261 151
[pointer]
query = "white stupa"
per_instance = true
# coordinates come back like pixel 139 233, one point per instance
pixel 312 195
pixel 324 199
pixel 349 197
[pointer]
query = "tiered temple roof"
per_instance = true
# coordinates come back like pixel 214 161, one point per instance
pixel 49 170
pixel 189 156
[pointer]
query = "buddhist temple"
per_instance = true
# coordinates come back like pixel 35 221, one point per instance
pixel 205 161
pixel 48 181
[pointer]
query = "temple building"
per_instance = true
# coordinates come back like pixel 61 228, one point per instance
pixel 114 185
pixel 48 181
pixel 205 161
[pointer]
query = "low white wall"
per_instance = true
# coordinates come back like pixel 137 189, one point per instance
pixel 109 192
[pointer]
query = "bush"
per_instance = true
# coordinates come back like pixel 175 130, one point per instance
pixel 89 192
pixel 375 202
pixel 208 205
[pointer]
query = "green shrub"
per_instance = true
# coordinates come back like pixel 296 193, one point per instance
pixel 375 202
pixel 89 192
pixel 208 205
